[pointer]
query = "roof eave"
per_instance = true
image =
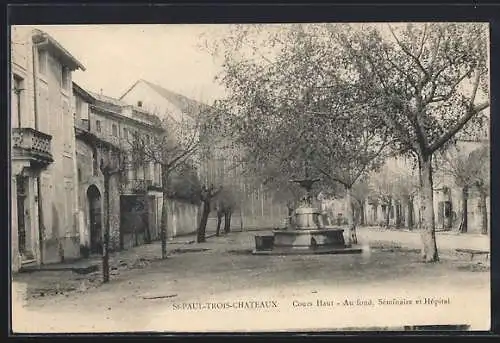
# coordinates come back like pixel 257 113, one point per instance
pixel 42 39
pixel 83 93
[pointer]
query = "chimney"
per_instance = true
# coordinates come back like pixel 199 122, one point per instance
pixel 139 103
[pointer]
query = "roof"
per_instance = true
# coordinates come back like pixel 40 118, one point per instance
pixel 83 93
pixel 44 39
pixel 117 106
pixel 107 99
pixel 186 105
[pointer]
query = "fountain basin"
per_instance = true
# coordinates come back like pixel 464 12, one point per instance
pixel 307 235
pixel 301 239
pixel 308 251
pixel 305 242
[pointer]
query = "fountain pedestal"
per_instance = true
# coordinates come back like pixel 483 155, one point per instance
pixel 308 235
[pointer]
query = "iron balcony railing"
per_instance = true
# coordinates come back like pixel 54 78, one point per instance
pixel 141 186
pixel 137 186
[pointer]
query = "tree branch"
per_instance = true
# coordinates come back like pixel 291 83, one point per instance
pixel 410 54
pixel 458 126
pixel 322 171
pixel 453 88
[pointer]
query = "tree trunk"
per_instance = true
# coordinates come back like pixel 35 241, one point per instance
pixel 219 221
pixel 105 250
pixel 397 215
pixel 351 226
pixel 355 214
pixel 410 218
pixel 484 212
pixel 241 216
pixel 464 225
pixel 388 213
pixel 362 213
pixel 227 221
pixel 147 232
pixel 201 237
pixel 428 227
pixel 164 216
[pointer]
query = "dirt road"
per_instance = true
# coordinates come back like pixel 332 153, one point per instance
pixel 152 298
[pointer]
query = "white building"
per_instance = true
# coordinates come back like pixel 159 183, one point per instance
pixel 43 168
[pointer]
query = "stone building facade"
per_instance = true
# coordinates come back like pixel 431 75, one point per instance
pixel 104 128
pixel 44 228
pixel 256 206
pixel 403 212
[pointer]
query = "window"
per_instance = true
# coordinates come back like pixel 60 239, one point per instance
pixel 78 107
pixel 148 139
pixel 98 125
pixel 42 62
pixel 114 129
pixel 65 78
pixel 147 171
pixel 18 89
pixel 95 163
pixel 125 133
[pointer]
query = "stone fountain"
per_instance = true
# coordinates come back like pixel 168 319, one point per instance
pixel 307 235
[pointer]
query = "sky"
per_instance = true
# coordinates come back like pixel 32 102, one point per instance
pixel 115 56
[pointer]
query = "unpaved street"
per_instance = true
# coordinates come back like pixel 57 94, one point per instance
pixel 148 298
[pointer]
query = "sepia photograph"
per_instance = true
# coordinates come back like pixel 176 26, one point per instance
pixel 292 177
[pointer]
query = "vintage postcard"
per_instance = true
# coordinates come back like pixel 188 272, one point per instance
pixel 250 178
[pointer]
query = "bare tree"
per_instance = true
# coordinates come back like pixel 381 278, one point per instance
pixel 112 164
pixel 483 181
pixel 178 142
pixel 221 179
pixel 461 167
pixel 360 192
pixel 383 189
pixel 405 189
pixel 226 204
pixel 469 171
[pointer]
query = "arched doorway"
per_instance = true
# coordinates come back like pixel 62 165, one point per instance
pixel 95 219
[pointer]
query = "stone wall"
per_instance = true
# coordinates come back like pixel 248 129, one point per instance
pixel 182 218
pixel 88 179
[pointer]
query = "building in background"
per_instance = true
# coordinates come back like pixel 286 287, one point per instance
pixel 43 177
pixel 395 200
pixel 104 126
pixel 255 206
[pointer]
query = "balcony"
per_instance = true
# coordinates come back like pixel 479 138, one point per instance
pixel 138 186
pixel 82 124
pixel 31 145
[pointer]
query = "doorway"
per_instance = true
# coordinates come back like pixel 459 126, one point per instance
pixel 95 219
pixel 23 219
pixel 444 215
